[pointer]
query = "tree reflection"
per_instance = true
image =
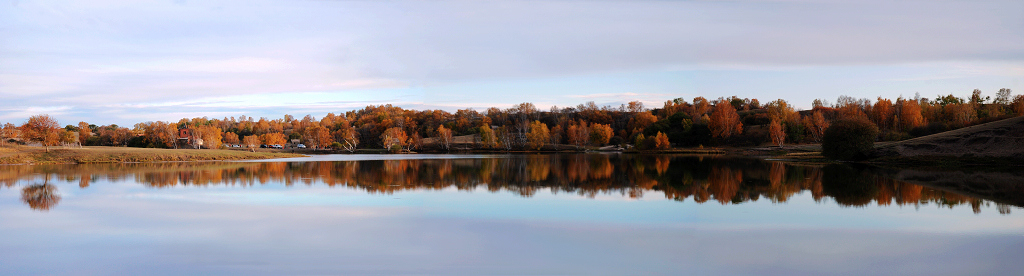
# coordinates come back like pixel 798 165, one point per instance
pixel 40 196
pixel 702 178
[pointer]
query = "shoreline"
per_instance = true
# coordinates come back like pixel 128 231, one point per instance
pixel 24 155
pixel 801 153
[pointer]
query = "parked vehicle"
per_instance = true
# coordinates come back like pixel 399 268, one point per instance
pixel 301 146
pixel 263 146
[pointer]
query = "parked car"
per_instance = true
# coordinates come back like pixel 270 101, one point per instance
pixel 277 146
pixel 301 146
pixel 263 146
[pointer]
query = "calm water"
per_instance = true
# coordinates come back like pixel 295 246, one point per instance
pixel 591 214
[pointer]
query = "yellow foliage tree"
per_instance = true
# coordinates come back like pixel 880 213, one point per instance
pixel 444 137
pixel 538 135
pixel 251 142
pixel 600 134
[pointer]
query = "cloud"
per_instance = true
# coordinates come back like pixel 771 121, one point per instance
pixel 102 52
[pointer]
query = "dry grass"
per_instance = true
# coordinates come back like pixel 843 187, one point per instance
pixel 59 155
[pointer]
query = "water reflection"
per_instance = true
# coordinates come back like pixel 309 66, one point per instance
pixel 701 179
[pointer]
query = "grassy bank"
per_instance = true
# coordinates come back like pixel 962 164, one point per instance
pixel 59 155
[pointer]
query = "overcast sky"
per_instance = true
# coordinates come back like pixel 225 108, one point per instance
pixel 116 62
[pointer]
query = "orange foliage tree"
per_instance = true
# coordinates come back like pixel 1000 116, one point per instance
pixel 318 137
pixel 661 141
pixel 84 132
pixel 909 114
pixel 882 113
pixel 578 134
pixel 776 133
pixel 816 125
pixel 273 138
pixel 393 137
pixel 43 129
pixel 640 121
pixel 725 122
pixel 231 138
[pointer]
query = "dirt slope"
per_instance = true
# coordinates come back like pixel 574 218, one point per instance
pixel 999 139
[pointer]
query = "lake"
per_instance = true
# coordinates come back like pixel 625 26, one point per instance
pixel 555 214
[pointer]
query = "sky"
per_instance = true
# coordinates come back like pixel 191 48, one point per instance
pixel 124 62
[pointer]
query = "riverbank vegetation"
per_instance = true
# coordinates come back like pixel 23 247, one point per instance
pixel 678 123
pixel 102 154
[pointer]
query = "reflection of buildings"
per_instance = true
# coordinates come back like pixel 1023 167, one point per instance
pixel 723 180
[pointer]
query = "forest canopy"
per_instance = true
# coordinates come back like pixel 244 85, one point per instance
pixel 724 121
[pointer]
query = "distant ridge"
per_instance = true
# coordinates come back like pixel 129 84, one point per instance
pixel 999 139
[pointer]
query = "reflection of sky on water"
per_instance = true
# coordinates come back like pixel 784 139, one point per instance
pixel 122 227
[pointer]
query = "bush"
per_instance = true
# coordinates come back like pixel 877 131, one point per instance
pixel 616 140
pixel 395 149
pixel 850 139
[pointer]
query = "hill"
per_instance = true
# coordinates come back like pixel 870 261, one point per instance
pixel 999 140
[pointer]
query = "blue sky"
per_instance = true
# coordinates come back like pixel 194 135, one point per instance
pixel 131 61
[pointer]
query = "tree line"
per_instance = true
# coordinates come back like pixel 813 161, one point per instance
pixel 731 121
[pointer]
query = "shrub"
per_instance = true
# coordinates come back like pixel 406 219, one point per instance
pixel 850 139
pixel 616 140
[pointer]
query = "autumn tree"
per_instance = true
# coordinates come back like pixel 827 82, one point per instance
pixel 725 122
pixel 231 138
pixel 776 133
pixel 882 113
pixel 538 136
pixel 444 137
pixel 84 132
pixel 274 138
pixel 909 114
pixel 348 138
pixel 69 138
pixel 43 129
pixel 661 141
pixel 487 137
pixel 778 110
pixel 318 136
pixel 578 134
pixel 1018 105
pixel 393 137
pixel 640 121
pixel 640 142
pixel 251 142
pixel 211 135
pixel 816 125
pixel 600 134
pixel 700 108
pixel 961 114
pixel 9 131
